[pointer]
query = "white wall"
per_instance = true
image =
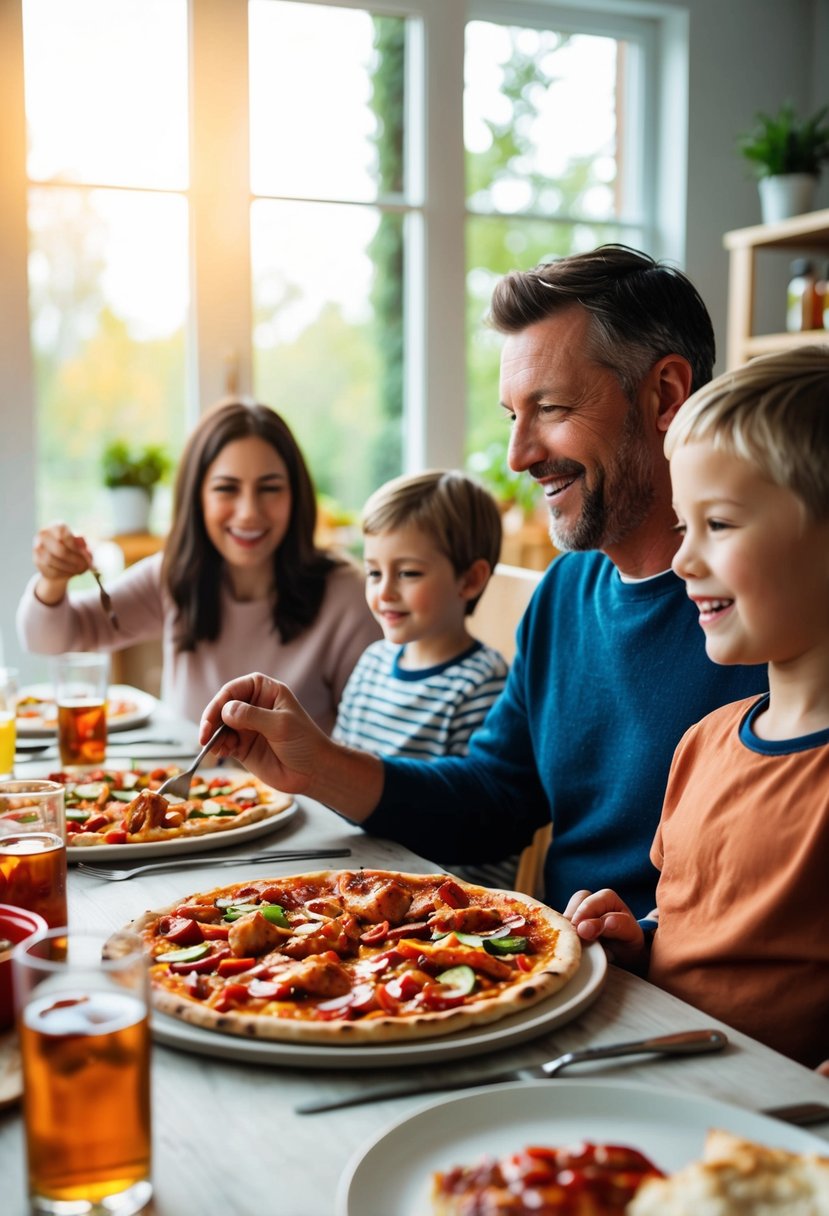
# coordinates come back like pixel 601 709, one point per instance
pixel 745 55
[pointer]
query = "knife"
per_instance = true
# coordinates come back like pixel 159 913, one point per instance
pixel 689 1042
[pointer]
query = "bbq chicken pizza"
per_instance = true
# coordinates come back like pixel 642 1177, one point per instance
pixel 121 806
pixel 369 956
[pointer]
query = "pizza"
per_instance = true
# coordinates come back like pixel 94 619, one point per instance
pixel 737 1175
pixel 342 956
pixel 582 1180
pixel 120 806
pixel 40 713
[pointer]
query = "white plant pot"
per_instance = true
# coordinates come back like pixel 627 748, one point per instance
pixel 130 509
pixel 787 195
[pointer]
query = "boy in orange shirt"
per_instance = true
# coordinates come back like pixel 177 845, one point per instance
pixel 741 929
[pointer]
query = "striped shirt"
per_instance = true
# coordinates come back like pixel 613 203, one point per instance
pixel 391 711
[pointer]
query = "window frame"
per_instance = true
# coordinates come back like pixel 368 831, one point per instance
pixel 434 302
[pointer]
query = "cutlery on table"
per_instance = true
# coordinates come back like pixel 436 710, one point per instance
pixel 205 859
pixel 689 1042
pixel 801 1114
pixel 179 786
pixel 106 601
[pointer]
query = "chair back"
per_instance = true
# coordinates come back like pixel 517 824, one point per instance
pixel 502 605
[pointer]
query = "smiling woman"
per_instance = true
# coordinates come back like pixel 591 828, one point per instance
pixel 239 587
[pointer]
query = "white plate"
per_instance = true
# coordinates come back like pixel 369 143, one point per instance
pixel 39 728
pixel 581 991
pixel 228 838
pixel 391 1175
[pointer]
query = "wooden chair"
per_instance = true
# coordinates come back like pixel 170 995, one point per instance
pixel 502 605
pixel 494 622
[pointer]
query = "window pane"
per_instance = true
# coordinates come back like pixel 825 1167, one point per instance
pixel 108 298
pixel 327 346
pixel 494 247
pixel 313 74
pixel 106 91
pixel 541 123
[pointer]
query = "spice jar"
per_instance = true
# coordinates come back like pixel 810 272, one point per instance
pixel 804 303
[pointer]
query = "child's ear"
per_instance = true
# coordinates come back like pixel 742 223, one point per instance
pixel 475 579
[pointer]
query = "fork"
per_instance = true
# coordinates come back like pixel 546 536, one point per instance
pixel 173 863
pixel 106 602
pixel 179 786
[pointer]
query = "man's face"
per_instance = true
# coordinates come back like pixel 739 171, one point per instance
pixel 576 433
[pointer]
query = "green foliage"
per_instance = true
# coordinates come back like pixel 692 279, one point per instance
pixel 784 143
pixel 491 468
pixel 388 104
pixel 142 467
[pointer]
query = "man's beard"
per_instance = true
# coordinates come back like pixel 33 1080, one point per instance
pixel 618 503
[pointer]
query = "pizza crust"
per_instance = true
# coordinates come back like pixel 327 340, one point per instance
pixel 553 969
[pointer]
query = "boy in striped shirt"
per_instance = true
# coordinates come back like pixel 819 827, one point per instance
pixel 431 542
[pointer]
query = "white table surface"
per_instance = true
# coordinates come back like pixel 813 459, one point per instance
pixel 226 1139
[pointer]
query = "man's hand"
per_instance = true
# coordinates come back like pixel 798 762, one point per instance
pixel 274 738
pixel 604 915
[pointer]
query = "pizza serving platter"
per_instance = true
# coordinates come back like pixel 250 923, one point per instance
pixel 136 708
pixel 227 838
pixel 561 1007
pixel 391 1175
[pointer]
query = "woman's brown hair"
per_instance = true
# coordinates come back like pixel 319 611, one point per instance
pixel 192 568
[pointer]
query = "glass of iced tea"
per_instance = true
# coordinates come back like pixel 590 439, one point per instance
pixel 8 720
pixel 33 848
pixel 81 694
pixel 82 1009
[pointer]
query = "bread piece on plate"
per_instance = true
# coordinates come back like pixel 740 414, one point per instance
pixel 739 1178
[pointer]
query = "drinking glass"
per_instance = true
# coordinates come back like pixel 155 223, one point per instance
pixel 82 1007
pixel 81 692
pixel 33 848
pixel 8 719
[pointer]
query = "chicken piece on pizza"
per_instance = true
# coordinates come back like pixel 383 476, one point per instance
pixel 253 934
pixel 373 898
pixel 148 810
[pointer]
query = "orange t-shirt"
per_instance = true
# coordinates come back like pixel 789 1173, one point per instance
pixel 743 897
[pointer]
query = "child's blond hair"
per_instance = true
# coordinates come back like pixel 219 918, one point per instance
pixel 773 412
pixel 452 509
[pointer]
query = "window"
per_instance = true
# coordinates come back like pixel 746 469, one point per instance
pixel 327 245
pixel 108 236
pixel 547 173
pixel 308 202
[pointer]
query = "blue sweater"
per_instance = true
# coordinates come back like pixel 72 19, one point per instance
pixel 607 678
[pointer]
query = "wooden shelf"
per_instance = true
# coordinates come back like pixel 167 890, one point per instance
pixel 807 233
pixel 135 545
pixel 139 665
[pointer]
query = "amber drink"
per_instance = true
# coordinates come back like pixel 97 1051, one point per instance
pixel 85 1047
pixel 33 848
pixel 82 734
pixel 81 693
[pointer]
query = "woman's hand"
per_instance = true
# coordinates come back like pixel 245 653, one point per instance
pixel 276 740
pixel 604 915
pixel 58 555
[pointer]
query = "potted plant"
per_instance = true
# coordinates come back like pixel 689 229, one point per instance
pixel 131 475
pixel 787 155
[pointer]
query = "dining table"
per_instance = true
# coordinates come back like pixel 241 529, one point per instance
pixel 228 1140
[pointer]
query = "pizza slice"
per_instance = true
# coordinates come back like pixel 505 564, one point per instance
pixel 121 806
pixel 584 1180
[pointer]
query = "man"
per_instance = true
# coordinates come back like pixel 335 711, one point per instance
pixel 601 350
